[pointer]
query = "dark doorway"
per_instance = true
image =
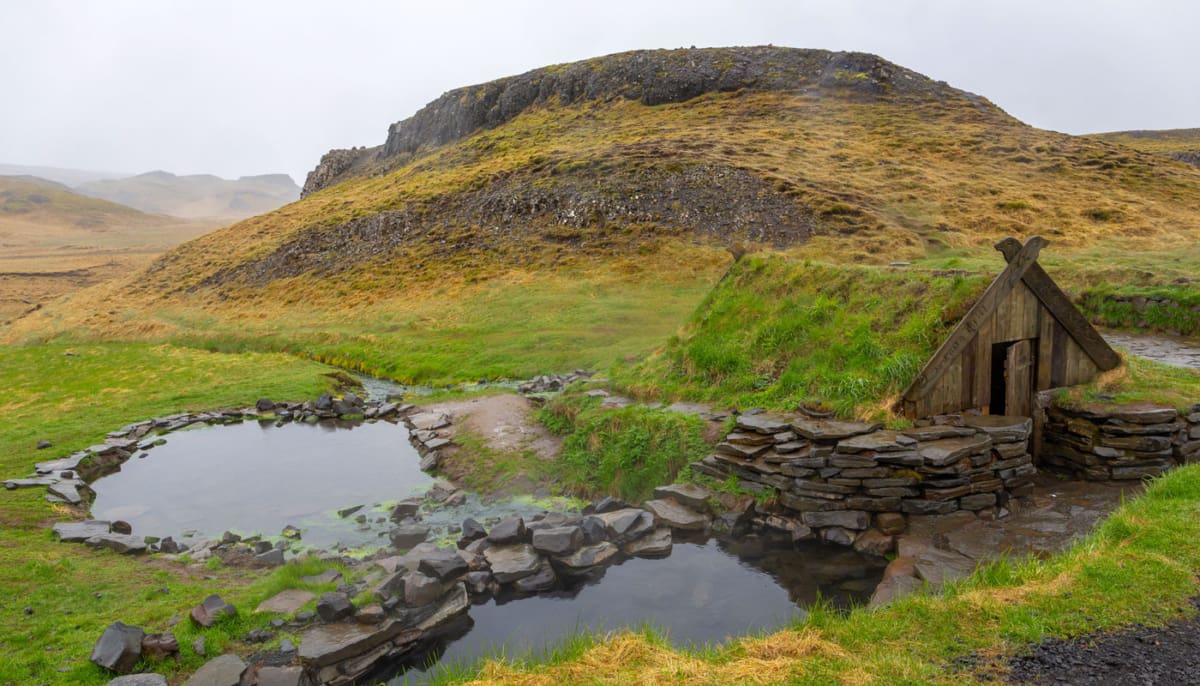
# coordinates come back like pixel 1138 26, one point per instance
pixel 1013 374
pixel 996 403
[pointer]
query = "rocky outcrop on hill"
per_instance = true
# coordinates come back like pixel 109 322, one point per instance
pixel 652 77
pixel 1192 157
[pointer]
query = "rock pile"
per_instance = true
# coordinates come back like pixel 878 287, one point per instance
pixel 551 383
pixel 1099 443
pixel 429 434
pixel 838 479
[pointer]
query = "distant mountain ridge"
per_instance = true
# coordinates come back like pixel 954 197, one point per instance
pixel 1179 144
pixel 198 195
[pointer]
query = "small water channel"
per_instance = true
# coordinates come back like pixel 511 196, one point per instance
pixel 1172 350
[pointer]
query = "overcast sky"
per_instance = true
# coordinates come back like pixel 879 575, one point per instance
pixel 248 87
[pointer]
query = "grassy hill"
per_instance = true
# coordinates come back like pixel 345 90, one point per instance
pixel 577 213
pixel 1180 144
pixel 54 241
pixel 197 196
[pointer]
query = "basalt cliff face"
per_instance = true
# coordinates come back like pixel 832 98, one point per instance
pixel 650 77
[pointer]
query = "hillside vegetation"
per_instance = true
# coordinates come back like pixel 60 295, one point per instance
pixel 625 178
pixel 778 334
pixel 1180 144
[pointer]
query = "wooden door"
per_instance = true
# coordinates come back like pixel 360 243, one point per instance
pixel 1018 380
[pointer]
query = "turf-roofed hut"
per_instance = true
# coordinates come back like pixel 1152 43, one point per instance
pixel 1022 336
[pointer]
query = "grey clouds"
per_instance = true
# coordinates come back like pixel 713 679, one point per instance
pixel 238 88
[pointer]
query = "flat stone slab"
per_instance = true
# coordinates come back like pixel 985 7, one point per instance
pixel 429 421
pixel 885 441
pixel 455 603
pixel 694 496
pixel 829 430
pixel 512 562
pixel 327 644
pixel 286 602
pixel 629 522
pixel 280 676
pixel 222 671
pixel 590 556
pixel 326 577
pixel 949 450
pixel 1001 428
pixel 139 680
pixel 657 543
pixel 938 432
pixel 763 423
pixel 676 516
pixel 78 532
pixel 67 490
pixel 125 544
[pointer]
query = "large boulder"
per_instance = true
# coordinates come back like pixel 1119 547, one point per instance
pixel 561 540
pixel 212 609
pixel 657 543
pixel 590 556
pixel 512 562
pixel 119 647
pixel 334 606
pixel 694 496
pixel 669 512
pixel 408 535
pixel 509 531
pixel 444 565
pixel 78 532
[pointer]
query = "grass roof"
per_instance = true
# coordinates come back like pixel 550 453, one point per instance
pixel 777 333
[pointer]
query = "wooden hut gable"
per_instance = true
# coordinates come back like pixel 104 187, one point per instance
pixel 1024 317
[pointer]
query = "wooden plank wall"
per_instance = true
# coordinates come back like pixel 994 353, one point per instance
pixel 967 383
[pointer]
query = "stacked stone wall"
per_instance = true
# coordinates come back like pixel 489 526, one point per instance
pixel 1101 443
pixel 843 478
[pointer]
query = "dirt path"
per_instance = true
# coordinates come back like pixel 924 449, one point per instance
pixel 515 446
pixel 1134 656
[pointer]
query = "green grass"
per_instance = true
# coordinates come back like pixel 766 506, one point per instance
pixel 777 333
pixel 624 452
pixel 73 401
pixel 1139 380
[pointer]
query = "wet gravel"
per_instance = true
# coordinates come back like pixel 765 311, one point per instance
pixel 1137 656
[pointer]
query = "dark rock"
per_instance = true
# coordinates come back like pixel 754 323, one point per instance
pixel 259 636
pixel 421 589
pixel 286 602
pixel 846 519
pixel 657 543
pixel 290 531
pixel 471 531
pixel 444 565
pixel 290 675
pixel 883 441
pixel 119 647
pixel 670 512
pixel 512 562
pixel 157 647
pixel 626 524
pixel 124 544
pixel 829 430
pixel 272 557
pixel 542 580
pixel 836 535
pixel 42 445
pixel 929 506
pixel 558 540
pixel 408 535
pixel 264 405
pixel 78 532
pixel 607 504
pixel 334 606
pixel 406 508
pixel 890 522
pixel 977 501
pixel 589 556
pixel 874 542
pixel 328 576
pixel 328 644
pixel 687 494
pixel 371 614
pixel 225 670
pixel 200 646
pixel 948 450
pixel 139 680
pixel 763 423
pixel 509 531
pixel 211 610
pixel 477 582
pixel 229 538
pixel 594 530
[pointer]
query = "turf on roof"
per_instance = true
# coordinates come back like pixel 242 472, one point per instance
pixel 776 333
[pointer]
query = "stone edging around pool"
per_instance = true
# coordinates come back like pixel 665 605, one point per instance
pixel 66 479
